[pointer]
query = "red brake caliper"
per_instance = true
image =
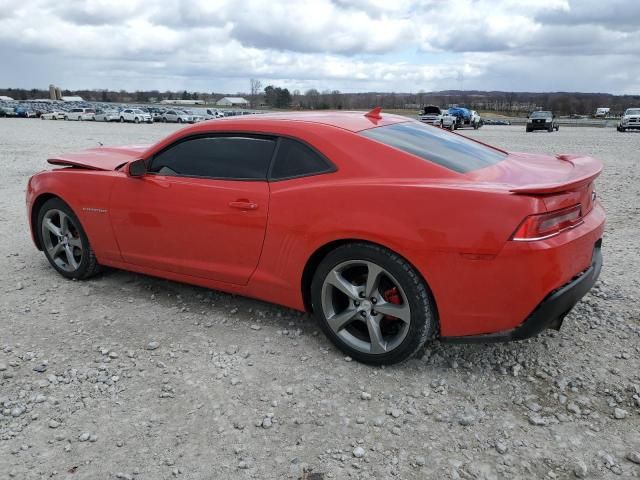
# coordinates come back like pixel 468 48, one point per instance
pixel 392 295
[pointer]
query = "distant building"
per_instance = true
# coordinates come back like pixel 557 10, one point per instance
pixel 72 99
pixel 5 99
pixel 182 102
pixel 232 102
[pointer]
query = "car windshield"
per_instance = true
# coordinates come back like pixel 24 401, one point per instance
pixel 632 111
pixel 540 114
pixel 451 151
pixel 138 111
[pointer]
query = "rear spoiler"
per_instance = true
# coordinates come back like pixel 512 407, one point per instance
pixel 584 171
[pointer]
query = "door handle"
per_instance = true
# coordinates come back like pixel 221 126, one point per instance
pixel 243 205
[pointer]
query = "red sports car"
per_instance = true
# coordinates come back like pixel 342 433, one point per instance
pixel 390 231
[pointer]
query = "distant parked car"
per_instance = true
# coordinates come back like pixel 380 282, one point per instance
pixel 53 116
pixel 213 114
pixel 80 114
pixel 466 118
pixel 23 112
pixel 431 115
pixel 156 114
pixel 195 117
pixel 107 116
pixel 630 120
pixel 8 112
pixel 135 115
pixel 542 120
pixel 448 120
pixel 488 121
pixel 177 116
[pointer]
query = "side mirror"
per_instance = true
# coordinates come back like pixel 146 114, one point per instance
pixel 137 168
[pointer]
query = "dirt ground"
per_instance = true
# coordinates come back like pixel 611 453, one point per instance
pixel 131 377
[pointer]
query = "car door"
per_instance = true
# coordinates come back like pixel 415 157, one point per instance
pixel 201 209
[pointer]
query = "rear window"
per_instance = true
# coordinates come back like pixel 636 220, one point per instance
pixel 451 151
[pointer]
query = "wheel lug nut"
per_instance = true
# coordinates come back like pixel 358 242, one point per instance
pixel 373 300
pixel 373 312
pixel 363 313
pixel 356 303
pixel 361 294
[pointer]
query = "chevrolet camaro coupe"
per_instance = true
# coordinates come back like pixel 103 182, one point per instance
pixel 389 231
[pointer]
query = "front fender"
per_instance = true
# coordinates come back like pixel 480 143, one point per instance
pixel 87 193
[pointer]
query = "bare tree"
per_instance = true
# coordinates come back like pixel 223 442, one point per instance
pixel 256 85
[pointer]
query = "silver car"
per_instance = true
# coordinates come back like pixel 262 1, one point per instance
pixel 175 116
pixel 107 116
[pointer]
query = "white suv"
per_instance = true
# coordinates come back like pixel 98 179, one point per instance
pixel 134 115
pixel 80 114
pixel 630 120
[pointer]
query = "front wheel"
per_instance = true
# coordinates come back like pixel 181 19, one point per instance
pixel 179 120
pixel 372 304
pixel 64 241
pixel 136 120
pixel 121 119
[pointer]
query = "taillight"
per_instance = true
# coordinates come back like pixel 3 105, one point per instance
pixel 545 225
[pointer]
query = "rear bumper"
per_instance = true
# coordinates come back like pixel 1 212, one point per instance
pixel 550 312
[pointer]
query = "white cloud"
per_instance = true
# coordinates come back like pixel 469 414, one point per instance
pixel 404 45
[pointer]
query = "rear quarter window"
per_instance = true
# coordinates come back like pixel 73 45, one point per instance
pixel 448 150
pixel 295 159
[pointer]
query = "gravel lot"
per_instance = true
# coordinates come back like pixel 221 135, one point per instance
pixel 131 377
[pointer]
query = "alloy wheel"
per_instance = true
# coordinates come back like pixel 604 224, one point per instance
pixel 62 241
pixel 365 306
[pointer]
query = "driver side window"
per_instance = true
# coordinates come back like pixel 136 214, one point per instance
pixel 232 157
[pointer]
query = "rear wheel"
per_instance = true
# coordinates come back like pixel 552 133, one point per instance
pixel 372 304
pixel 64 241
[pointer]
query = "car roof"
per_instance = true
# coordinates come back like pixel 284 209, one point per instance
pixel 352 121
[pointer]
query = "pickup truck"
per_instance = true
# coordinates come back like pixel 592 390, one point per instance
pixel 466 118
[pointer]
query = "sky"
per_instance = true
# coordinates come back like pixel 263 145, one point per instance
pixel 346 45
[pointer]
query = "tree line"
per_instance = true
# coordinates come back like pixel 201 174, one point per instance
pixel 272 96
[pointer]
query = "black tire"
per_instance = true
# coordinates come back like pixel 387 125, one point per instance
pixel 557 128
pixel 136 120
pixel 179 120
pixel 88 266
pixel 164 119
pixel 121 119
pixel 66 118
pixel 423 321
pixel 550 129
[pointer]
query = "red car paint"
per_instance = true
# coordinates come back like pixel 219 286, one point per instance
pixel 455 228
